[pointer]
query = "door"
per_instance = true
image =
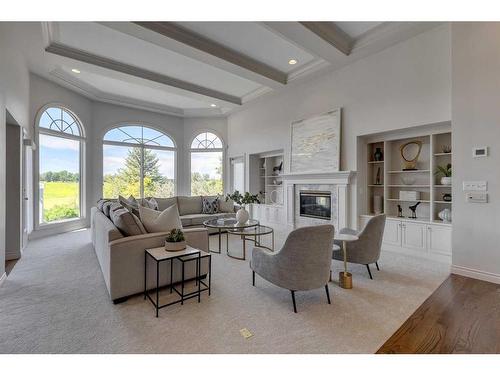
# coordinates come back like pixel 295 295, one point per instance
pixel 392 233
pixel 439 239
pixel 414 236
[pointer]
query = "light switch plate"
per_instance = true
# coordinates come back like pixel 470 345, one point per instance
pixel 475 185
pixel 477 197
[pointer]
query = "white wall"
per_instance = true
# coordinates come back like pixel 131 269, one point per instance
pixel 14 97
pixel 403 86
pixel 476 122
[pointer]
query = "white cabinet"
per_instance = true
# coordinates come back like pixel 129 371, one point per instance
pixel 439 239
pixel 392 232
pixel 267 214
pixel 413 236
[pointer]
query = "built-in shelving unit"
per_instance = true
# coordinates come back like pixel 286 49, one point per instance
pixel 266 176
pixel 392 179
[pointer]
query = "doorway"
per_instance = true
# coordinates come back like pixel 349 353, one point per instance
pixel 13 191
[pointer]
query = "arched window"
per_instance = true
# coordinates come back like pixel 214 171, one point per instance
pixel 138 161
pixel 207 155
pixel 60 139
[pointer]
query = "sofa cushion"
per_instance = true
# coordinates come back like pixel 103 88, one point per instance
pixel 209 205
pixel 189 205
pixel 108 206
pixel 100 203
pixel 164 221
pixel 197 219
pixel 127 222
pixel 164 203
pixel 226 206
pixel 130 204
pixel 150 203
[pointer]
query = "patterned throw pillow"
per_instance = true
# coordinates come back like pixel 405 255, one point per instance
pixel 210 205
pixel 130 204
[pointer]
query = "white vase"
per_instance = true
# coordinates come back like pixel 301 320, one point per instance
pixel 242 215
pixel 445 215
pixel 445 180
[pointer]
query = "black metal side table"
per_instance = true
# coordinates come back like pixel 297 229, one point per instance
pixel 189 254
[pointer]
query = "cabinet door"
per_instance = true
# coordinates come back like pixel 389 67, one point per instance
pixel 392 233
pixel 414 236
pixel 439 239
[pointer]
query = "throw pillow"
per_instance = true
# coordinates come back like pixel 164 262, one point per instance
pixel 130 204
pixel 226 206
pixel 108 206
pixel 127 222
pixel 100 203
pixel 210 205
pixel 150 203
pixel 164 221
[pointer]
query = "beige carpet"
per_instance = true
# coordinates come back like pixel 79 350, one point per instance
pixel 55 301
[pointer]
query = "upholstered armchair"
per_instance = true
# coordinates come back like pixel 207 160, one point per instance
pixel 303 263
pixel 366 250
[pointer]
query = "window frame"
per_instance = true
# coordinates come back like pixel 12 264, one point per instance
pixel 142 146
pixel 199 150
pixel 82 139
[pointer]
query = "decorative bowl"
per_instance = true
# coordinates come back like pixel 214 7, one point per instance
pixel 408 180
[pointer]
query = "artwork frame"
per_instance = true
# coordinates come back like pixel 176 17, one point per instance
pixel 316 141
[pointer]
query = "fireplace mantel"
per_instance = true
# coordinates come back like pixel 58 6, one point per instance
pixel 336 182
pixel 340 177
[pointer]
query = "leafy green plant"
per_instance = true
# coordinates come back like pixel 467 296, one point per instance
pixel 175 235
pixel 244 199
pixel 445 171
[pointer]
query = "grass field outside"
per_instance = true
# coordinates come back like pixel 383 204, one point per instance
pixel 60 200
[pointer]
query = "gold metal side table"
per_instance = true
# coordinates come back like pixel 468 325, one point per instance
pixel 345 278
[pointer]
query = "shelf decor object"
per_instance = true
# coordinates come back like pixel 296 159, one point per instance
pixel 378 155
pixel 316 142
pixel 447 197
pixel 410 151
pixel 446 172
pixel 445 215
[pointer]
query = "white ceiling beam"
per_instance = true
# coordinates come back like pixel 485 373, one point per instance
pixel 191 44
pixel 331 34
pixel 117 66
pixel 303 38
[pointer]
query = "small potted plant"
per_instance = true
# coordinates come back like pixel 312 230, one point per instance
pixel 446 172
pixel 242 214
pixel 175 240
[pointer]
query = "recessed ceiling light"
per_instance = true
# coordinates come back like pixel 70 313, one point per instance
pixel 292 62
pixel 213 105
pixel 75 71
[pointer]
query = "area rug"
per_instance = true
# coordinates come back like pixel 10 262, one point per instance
pixel 55 301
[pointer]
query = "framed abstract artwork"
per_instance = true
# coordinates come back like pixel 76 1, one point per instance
pixel 315 143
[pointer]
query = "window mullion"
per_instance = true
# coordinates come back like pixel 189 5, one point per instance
pixel 142 173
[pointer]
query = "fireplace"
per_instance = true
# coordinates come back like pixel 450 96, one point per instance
pixel 316 204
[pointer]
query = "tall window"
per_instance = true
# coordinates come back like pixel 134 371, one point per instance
pixel 138 161
pixel 206 165
pixel 60 141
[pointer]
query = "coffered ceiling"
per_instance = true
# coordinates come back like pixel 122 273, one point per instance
pixel 198 68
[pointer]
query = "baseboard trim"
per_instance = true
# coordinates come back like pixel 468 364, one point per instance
pixel 3 278
pixel 476 274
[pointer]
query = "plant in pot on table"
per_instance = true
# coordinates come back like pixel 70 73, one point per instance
pixel 242 214
pixel 446 172
pixel 175 240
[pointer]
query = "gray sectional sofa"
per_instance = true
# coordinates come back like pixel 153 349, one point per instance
pixel 122 257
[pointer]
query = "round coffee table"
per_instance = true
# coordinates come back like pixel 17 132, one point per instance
pixel 252 234
pixel 227 224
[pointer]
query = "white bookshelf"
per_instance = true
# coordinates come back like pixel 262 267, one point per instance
pixel 394 179
pixel 265 178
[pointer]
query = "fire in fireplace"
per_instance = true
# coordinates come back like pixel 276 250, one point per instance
pixel 316 204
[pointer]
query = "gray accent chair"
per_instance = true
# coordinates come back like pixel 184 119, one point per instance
pixel 366 250
pixel 303 263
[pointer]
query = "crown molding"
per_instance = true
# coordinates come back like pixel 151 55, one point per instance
pixel 94 94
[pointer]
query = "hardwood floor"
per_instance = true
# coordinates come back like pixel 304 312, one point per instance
pixel 461 316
